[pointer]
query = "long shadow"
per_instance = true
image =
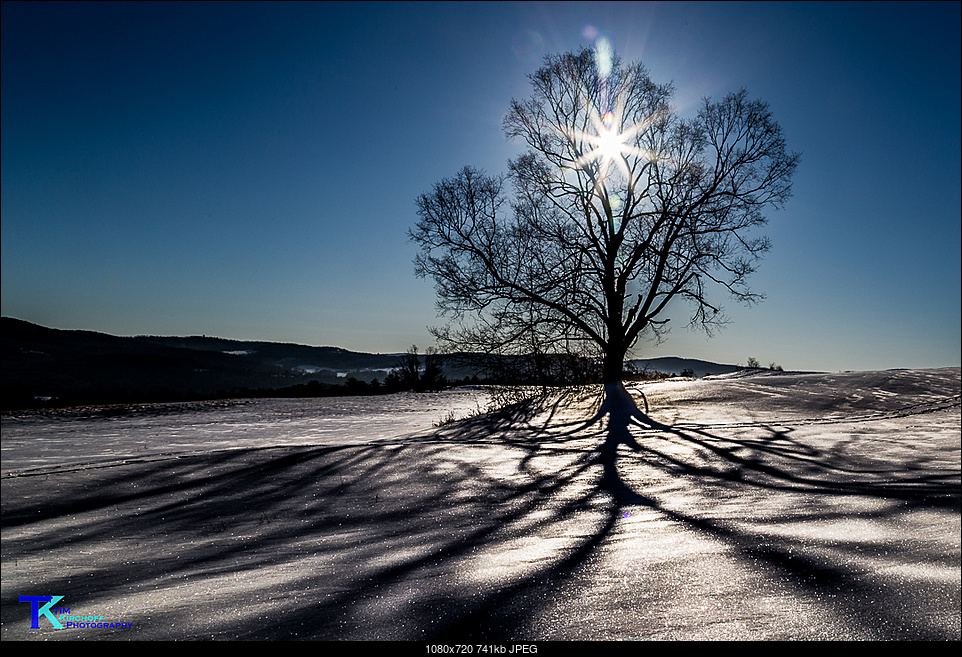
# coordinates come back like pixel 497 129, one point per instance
pixel 767 461
pixel 410 541
pixel 763 460
pixel 352 524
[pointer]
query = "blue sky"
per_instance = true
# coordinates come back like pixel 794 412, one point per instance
pixel 249 170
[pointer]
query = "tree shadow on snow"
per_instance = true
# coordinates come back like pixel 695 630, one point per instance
pixel 762 462
pixel 470 533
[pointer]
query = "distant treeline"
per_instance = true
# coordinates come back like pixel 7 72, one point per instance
pixel 413 371
pixel 21 400
pixel 44 367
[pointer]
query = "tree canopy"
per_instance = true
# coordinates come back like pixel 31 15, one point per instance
pixel 617 206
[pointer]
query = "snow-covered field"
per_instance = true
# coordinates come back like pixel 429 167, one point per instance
pixel 773 506
pixel 84 437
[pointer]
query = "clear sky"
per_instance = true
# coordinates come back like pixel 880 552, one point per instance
pixel 249 171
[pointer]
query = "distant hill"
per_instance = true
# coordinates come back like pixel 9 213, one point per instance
pixel 80 367
pixel 91 367
pixel 675 365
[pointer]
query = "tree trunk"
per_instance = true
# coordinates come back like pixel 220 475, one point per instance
pixel 613 366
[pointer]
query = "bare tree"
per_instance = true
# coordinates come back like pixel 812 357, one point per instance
pixel 409 368
pixel 617 207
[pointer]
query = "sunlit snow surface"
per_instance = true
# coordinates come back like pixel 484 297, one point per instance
pixel 772 506
pixel 101 434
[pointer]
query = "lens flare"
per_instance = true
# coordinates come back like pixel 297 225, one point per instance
pixel 610 142
pixel 604 56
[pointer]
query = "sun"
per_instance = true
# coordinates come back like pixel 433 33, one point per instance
pixel 610 142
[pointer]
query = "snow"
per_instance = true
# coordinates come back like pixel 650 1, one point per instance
pixel 776 506
pixel 85 437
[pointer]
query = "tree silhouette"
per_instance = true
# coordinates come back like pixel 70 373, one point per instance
pixel 617 207
pixel 409 368
pixel 432 378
